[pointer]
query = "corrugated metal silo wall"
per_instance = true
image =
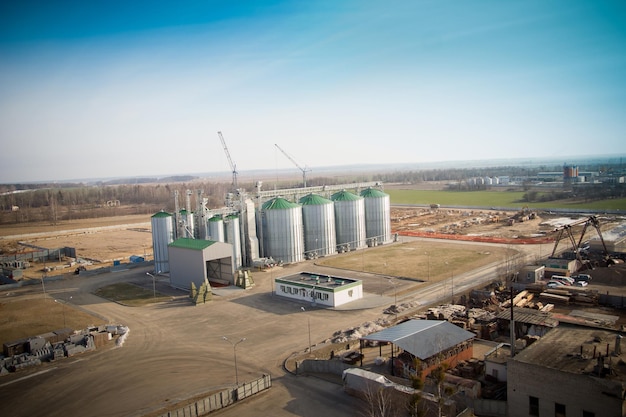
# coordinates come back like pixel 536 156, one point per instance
pixel 231 226
pixel 350 223
pixel 216 230
pixel 283 234
pixel 319 229
pixel 378 219
pixel 162 235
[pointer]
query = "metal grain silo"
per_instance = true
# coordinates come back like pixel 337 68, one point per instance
pixel 187 224
pixel 162 235
pixel 349 220
pixel 216 229
pixel 283 235
pixel 377 216
pixel 318 218
pixel 233 236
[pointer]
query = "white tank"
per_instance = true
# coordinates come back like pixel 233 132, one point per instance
pixel 231 225
pixel 377 216
pixel 349 221
pixel 318 218
pixel 162 235
pixel 216 229
pixel 283 237
pixel 187 227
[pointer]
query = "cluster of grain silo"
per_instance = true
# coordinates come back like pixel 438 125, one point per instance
pixel 312 223
pixel 317 226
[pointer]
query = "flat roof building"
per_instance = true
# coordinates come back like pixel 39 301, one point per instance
pixel 319 289
pixel 571 371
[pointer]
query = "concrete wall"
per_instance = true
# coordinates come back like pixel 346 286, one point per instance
pixel 334 367
pixel 490 408
pixel 221 399
pixel 577 392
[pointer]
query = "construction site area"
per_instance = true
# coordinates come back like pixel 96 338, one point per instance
pixel 450 264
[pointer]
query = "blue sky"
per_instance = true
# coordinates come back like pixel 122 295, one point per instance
pixel 110 88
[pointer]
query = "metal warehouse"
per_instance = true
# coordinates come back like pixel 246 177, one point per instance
pixel 194 260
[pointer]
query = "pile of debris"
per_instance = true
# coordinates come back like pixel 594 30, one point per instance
pixel 528 299
pixel 355 333
pixel 59 344
pixel 563 295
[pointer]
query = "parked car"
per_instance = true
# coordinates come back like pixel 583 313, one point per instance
pixel 564 280
pixel 581 283
pixel 555 284
pixel 582 277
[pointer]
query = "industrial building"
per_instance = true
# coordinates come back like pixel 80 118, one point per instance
pixel 569 372
pixel 325 290
pixel 195 260
pixel 288 226
pixel 432 342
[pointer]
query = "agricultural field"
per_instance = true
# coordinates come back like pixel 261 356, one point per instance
pixel 509 199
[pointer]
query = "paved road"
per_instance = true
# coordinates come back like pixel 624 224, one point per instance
pixel 175 351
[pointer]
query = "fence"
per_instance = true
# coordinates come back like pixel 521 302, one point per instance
pixel 221 399
pixel 40 254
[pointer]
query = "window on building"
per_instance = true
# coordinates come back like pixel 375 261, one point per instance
pixel 559 410
pixel 588 414
pixel 533 406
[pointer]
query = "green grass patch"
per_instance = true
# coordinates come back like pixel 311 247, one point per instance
pixel 130 295
pixel 512 199
pixel 425 261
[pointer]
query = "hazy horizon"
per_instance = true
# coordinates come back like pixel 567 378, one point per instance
pixel 356 169
pixel 118 89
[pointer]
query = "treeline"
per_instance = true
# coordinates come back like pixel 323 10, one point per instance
pixel 68 201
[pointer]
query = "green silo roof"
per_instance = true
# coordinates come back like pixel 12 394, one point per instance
pixel 161 214
pixel 278 203
pixel 188 243
pixel 314 200
pixel 373 192
pixel 232 216
pixel 344 196
pixel 183 211
pixel 216 219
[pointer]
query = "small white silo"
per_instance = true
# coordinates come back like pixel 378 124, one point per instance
pixel 187 224
pixel 232 229
pixel 216 229
pixel 162 235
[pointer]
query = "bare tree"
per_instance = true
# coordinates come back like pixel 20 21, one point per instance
pixel 379 402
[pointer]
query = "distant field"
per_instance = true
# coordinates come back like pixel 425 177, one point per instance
pixel 511 199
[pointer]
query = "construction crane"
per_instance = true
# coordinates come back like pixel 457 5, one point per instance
pixel 230 160
pixel 304 170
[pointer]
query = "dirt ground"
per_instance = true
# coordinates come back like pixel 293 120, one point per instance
pixel 103 240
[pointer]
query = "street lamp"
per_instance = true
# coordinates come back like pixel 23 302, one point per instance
pixel 381 278
pixel 428 255
pixel 243 339
pixel 309 323
pixel 153 283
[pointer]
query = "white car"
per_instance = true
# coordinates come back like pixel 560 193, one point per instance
pixel 555 284
pixel 581 283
